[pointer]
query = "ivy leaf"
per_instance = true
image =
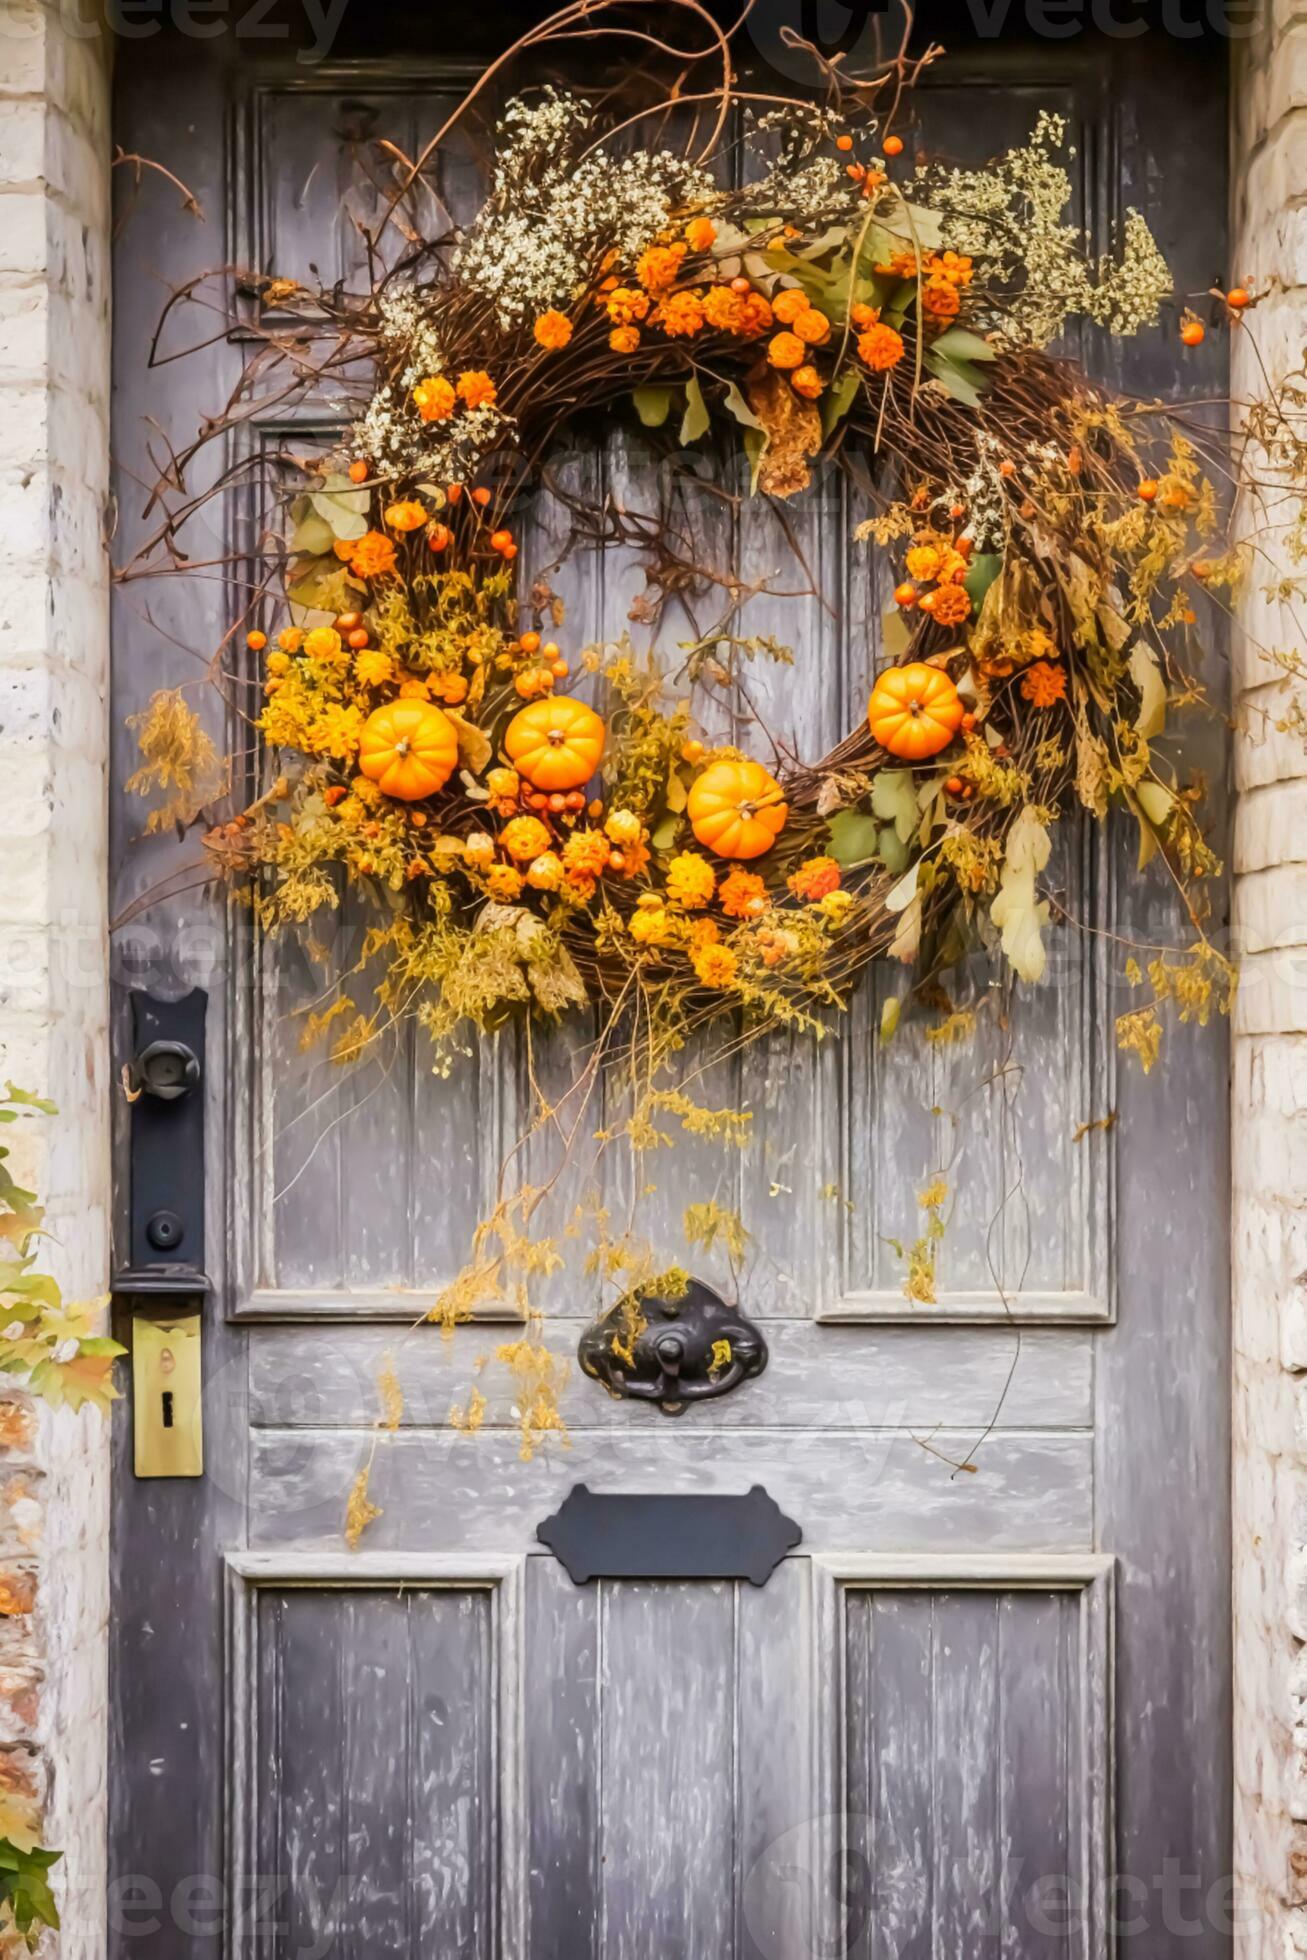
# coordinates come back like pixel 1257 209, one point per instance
pixel 24 1099
pixel 1147 677
pixel 894 799
pixel 653 405
pixel 695 420
pixel 981 573
pixel 25 1890
pixel 853 838
pixel 959 343
pixel 1018 914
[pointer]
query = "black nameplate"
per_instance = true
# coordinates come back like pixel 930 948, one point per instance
pixel 620 1535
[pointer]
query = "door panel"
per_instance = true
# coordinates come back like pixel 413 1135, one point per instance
pixel 438 1744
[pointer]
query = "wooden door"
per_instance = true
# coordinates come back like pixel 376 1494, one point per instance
pixel 984 1707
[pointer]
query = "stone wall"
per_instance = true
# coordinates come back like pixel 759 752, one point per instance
pixel 1270 1051
pixel 54 411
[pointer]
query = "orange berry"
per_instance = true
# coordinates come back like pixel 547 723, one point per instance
pixel 905 594
pixel 1147 490
pixel 576 799
pixel 693 751
pixel 440 537
pixel 844 142
pixel 346 622
pixel 358 639
pixel 893 146
pixel 358 471
pixel 559 669
pixel 1238 297
pixel 557 802
pixel 1007 467
pixel 453 492
pixel 1193 333
pixel 550 649
pixel 538 799
pixel 968 722
pixel 500 540
pixel 530 643
pixel 954 786
pixel 509 552
pixel 256 641
pixel 741 285
pixel 481 497
pixel 1201 569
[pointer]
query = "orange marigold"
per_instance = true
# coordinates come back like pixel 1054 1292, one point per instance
pixel 758 316
pixel 553 329
pixel 408 515
pixel 691 881
pixel 743 895
pixel 716 966
pixel 701 234
pixel 434 399
pixel 789 302
pixel 585 854
pixel 940 299
pixel 627 305
pixel 786 350
pixel 807 382
pixel 524 837
pixel 680 315
pixel 624 340
pixel 1043 684
pixel 476 388
pixel 949 605
pixel 880 347
pixel 812 325
pixel 503 882
pixel 953 266
pixel 371 556
pixel 724 310
pixel 814 878
pixel 658 267
pixel 923 561
pixel 900 265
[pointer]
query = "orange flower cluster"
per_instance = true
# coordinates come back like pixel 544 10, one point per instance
pixel 1044 684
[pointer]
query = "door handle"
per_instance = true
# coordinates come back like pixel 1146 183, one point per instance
pixel 164 1282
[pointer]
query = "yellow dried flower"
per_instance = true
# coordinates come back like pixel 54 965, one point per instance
pixel 691 881
pixel 716 966
pixel 323 643
pixel 524 837
pixel 503 882
pixel 585 854
pixel 372 668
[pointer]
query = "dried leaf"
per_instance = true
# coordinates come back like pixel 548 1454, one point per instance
pixel 1017 912
pixel 791 429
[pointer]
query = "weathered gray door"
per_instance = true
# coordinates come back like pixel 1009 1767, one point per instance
pixel 995 1673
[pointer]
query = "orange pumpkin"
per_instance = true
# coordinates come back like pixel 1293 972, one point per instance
pixel 409 749
pixel 556 744
pixel 914 711
pixel 736 809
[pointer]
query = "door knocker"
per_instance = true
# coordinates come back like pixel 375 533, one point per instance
pixel 689 1349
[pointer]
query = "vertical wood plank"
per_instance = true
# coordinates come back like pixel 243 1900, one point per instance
pixel 564 1795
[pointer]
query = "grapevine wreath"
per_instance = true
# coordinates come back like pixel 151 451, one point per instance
pixel 544 827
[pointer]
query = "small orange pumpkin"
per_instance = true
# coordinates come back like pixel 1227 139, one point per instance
pixel 736 809
pixel 556 744
pixel 409 749
pixel 914 711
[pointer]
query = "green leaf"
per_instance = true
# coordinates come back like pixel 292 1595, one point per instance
pixel 892 851
pixel 653 405
pixel 664 834
pixel 853 838
pixel 981 573
pixel 1147 677
pixel 889 1019
pixel 341 507
pixel 894 799
pixel 958 378
pixel 740 409
pixel 312 535
pixel 26 1100
pixel 695 420
pixel 839 398
pixel 1156 801
pixel 959 343
pixel 895 637
pixel 755 445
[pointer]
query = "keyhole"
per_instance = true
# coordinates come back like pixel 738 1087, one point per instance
pixel 167 1408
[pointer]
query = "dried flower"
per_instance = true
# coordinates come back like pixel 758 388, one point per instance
pixel 814 878
pixel 691 881
pixel 434 399
pixel 553 330
pixel 1043 684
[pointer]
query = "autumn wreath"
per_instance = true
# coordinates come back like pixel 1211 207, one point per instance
pixel 544 826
